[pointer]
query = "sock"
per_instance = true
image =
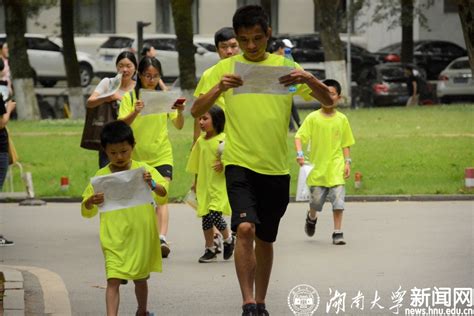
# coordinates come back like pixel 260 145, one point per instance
pixel 337 231
pixel 211 249
pixel 163 237
pixel 228 240
pixel 312 218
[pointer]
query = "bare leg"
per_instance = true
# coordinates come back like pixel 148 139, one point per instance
pixel 264 255
pixel 112 297
pixel 162 218
pixel 245 262
pixel 337 215
pixel 209 237
pixel 141 292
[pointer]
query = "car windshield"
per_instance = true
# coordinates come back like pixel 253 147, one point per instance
pixel 117 42
pixel 209 47
pixel 392 73
pixel 461 64
pixel 391 48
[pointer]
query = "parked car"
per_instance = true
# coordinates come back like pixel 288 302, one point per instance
pixel 432 56
pixel 309 49
pixel 456 82
pixel 46 59
pixel 386 84
pixel 165 45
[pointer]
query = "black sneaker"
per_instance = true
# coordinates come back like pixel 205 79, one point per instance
pixel 5 242
pixel 261 310
pixel 310 225
pixel 218 243
pixel 249 310
pixel 165 249
pixel 229 249
pixel 338 239
pixel 208 256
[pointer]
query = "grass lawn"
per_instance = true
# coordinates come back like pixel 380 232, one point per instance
pixel 419 150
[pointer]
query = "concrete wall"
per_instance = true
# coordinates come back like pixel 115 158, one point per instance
pixel 128 13
pixel 214 14
pixel 46 22
pixel 296 16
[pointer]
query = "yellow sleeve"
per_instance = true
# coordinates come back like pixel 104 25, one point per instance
pixel 304 132
pixel 126 107
pixel 158 178
pixel 193 161
pixel 88 192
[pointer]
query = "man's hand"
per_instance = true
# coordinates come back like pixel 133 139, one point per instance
pixel 218 166
pixel 347 171
pixel 296 76
pixel 97 198
pixel 230 81
pixel 300 161
pixel 139 105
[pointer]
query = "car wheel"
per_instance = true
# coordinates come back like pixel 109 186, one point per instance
pixel 48 83
pixel 85 71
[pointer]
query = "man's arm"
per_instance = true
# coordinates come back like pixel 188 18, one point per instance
pixel 204 102
pixel 319 90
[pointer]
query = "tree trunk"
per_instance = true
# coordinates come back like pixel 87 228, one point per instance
pixel 21 71
pixel 466 14
pixel 334 61
pixel 407 30
pixel 184 32
pixel 76 98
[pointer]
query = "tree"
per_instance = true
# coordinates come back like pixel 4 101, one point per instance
pixel 183 22
pixel 76 98
pixel 334 61
pixel 22 73
pixel 466 14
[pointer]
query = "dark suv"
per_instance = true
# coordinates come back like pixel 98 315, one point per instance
pixel 308 48
pixel 432 56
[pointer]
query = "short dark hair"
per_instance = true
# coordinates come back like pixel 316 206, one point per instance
pixel 333 83
pixel 249 16
pixel 145 49
pixel 223 35
pixel 116 132
pixel 218 118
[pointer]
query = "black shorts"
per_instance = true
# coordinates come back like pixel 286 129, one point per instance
pixel 165 170
pixel 257 198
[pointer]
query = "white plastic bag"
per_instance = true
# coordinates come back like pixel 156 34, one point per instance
pixel 302 189
pixel 191 200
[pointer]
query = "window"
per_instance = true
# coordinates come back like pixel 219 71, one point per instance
pixel 2 17
pixel 462 64
pixel 270 7
pixel 450 6
pixel 164 17
pixel 94 16
pixel 41 44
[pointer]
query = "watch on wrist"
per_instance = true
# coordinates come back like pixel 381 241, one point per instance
pixel 349 160
pixel 153 185
pixel 300 154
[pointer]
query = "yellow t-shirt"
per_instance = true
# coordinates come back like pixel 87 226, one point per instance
pixel 128 237
pixel 256 124
pixel 203 87
pixel 151 134
pixel 327 137
pixel 211 189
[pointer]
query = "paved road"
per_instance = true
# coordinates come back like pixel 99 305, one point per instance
pixel 391 244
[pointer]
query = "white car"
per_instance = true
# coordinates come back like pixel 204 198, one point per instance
pixel 456 81
pixel 165 45
pixel 46 59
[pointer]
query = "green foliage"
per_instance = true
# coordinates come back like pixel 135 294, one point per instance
pixel 420 150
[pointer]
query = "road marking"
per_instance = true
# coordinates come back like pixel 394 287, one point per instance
pixel 55 294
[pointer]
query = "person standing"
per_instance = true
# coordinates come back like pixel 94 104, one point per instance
pixel 151 134
pixel 5 74
pixel 150 51
pixel 329 135
pixel 256 151
pixel 126 64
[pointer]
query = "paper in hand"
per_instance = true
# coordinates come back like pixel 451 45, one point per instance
pixel 156 102
pixel 122 189
pixel 114 86
pixel 261 79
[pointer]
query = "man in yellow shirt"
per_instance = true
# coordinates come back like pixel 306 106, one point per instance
pixel 330 135
pixel 255 155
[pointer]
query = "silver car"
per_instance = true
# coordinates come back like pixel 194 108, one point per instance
pixel 455 83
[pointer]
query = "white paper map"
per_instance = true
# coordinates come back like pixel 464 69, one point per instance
pixel 261 79
pixel 158 101
pixel 114 86
pixel 302 189
pixel 122 189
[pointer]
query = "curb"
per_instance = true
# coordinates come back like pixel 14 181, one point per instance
pixel 349 198
pixel 14 293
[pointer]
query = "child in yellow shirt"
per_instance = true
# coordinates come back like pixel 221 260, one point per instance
pixel 128 236
pixel 210 185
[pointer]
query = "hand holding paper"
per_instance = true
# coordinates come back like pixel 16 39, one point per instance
pixel 156 102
